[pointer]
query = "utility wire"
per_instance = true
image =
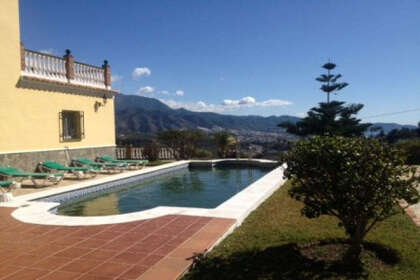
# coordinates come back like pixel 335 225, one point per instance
pixel 391 114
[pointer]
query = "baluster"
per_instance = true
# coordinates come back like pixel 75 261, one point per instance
pixel 36 64
pixel 98 76
pixel 60 68
pixel 48 68
pixel 28 62
pixel 55 64
pixel 57 68
pixel 87 74
pixel 84 74
pixel 32 63
pixel 76 71
pixel 91 79
pixel 79 72
pixel 51 68
pixel 42 65
pixel 63 69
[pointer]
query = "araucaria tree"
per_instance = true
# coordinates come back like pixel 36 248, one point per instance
pixel 330 81
pixel 330 118
pixel 357 180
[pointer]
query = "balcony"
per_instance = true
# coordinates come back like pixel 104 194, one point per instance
pixel 41 68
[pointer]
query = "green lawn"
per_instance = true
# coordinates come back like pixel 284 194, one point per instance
pixel 269 244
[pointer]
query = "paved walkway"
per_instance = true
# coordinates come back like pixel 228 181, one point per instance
pixel 150 249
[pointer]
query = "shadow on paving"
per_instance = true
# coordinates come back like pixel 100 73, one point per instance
pixel 285 262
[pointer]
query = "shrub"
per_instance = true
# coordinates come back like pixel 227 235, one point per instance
pixel 201 153
pixel 151 151
pixel 357 180
pixel 411 150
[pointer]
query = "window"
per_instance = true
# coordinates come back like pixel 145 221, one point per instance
pixel 71 126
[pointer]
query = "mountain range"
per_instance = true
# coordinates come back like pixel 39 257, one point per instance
pixel 138 114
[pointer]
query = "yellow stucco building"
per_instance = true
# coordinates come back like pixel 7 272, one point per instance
pixel 51 108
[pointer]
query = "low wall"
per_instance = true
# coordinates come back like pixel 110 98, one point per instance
pixel 28 161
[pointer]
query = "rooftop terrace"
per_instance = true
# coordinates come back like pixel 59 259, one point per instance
pixel 64 71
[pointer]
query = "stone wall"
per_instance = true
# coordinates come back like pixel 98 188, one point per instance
pixel 29 161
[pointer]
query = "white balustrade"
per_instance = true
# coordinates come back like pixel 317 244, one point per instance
pixel 89 75
pixel 45 66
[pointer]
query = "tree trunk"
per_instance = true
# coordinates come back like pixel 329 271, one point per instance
pixel 352 256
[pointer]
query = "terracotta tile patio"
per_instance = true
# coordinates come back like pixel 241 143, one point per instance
pixel 151 249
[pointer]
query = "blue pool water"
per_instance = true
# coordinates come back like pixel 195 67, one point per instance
pixel 187 187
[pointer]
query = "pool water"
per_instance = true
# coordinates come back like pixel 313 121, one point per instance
pixel 188 187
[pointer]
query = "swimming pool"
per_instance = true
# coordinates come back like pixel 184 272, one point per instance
pixel 186 187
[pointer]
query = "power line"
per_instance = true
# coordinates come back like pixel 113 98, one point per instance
pixel 391 114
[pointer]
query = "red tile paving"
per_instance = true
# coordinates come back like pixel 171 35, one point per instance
pixel 151 249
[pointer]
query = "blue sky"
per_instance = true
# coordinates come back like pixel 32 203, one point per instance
pixel 242 57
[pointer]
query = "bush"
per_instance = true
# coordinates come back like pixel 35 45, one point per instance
pixel 201 153
pixel 151 151
pixel 411 150
pixel 357 180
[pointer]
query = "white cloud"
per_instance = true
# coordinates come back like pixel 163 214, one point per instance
pixel 140 72
pixel 48 51
pixel 274 103
pixel 179 93
pixel 145 90
pixel 116 78
pixel 247 100
pixel 226 105
pixel 199 106
pixel 165 92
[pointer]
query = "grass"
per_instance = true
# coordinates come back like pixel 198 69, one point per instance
pixel 276 242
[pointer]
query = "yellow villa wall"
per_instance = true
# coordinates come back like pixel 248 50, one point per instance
pixel 29 119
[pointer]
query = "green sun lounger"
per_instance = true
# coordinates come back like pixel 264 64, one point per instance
pixel 11 172
pixel 132 163
pixel 5 183
pixel 79 172
pixel 101 165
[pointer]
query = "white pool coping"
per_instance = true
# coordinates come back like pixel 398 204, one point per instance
pixel 237 207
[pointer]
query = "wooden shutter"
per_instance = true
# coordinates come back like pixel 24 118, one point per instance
pixel 60 126
pixel 82 124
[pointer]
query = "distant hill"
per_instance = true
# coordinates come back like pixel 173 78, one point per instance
pixel 138 114
pixel 149 115
pixel 387 127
